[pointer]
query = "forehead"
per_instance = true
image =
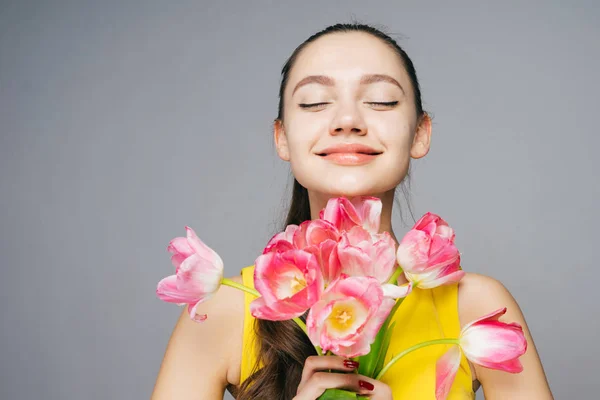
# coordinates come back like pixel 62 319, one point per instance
pixel 346 57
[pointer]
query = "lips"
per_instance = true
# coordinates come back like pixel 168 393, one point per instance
pixel 351 148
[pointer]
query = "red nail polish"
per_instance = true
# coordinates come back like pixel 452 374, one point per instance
pixel 366 385
pixel 350 364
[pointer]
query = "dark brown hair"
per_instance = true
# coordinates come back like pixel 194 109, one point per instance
pixel 282 345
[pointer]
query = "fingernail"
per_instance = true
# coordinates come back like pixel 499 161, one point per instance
pixel 350 364
pixel 366 385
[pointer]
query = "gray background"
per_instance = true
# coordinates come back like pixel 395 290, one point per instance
pixel 122 122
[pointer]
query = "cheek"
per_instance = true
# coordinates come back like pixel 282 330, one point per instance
pixel 303 136
pixel 395 134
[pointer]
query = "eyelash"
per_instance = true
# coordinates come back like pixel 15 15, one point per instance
pixel 385 104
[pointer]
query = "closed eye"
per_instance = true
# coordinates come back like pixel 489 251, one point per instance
pixel 384 104
pixel 311 105
pixel 375 103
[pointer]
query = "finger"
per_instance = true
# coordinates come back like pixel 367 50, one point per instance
pixel 320 381
pixel 323 363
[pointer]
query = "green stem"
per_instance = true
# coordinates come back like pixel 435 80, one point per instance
pixel 394 278
pixel 413 348
pixel 229 282
pixel 299 322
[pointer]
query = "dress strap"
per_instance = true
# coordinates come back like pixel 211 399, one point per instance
pixel 248 339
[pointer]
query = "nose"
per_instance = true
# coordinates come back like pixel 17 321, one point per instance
pixel 348 119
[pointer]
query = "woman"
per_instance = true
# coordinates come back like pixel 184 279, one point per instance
pixel 350 118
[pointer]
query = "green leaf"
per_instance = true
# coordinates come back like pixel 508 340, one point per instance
pixel 368 363
pixel 332 394
pixel 384 346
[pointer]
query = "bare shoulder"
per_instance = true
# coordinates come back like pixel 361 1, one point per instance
pixel 199 356
pixel 477 292
pixel 479 295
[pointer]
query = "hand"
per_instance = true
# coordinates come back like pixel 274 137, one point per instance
pixel 315 379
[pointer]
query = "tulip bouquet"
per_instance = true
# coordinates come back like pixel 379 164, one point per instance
pixel 346 274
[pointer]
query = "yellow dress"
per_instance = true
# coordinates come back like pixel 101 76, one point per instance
pixel 424 315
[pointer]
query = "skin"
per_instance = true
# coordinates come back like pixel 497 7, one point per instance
pixel 208 355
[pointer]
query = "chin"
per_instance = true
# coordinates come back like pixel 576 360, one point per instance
pixel 351 189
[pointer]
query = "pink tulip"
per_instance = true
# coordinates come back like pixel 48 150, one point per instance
pixel 282 241
pixel 289 282
pixel 427 254
pixel 487 342
pixel 348 316
pixel 363 254
pixel 344 214
pixel 198 274
pixel 308 233
pixel 318 237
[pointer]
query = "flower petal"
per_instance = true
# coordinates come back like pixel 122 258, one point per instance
pixel 202 250
pixel 445 372
pixel 196 317
pixel 494 344
pixel 413 251
pixel 180 245
pixel 168 291
pixel 396 291
pixel 369 210
pixel 259 309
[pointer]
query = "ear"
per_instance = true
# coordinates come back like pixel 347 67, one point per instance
pixel 281 144
pixel 422 139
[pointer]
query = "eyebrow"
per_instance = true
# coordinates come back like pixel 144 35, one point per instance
pixel 364 80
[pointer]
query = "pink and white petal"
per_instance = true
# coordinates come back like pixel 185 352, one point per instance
pixel 357 349
pixel 327 259
pixel 413 251
pixel 493 342
pixel 299 239
pixel 193 315
pixel 442 253
pixel 198 275
pixel 280 246
pixel 281 283
pixel 445 372
pixel 512 366
pixel 319 230
pixel 286 236
pixel 357 234
pixel 367 289
pixel 168 291
pixel 266 267
pixel 177 259
pixel 354 261
pixel 377 319
pixel 180 245
pixel 493 316
pixel 446 232
pixel 369 210
pixel 202 249
pixel 429 283
pixel 313 292
pixel 427 225
pixel 427 219
pixel 341 213
pixel 319 319
pixel 396 291
pixel 385 259
pixel 314 324
pixel 259 309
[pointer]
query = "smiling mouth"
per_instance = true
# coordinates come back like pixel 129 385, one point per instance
pixel 350 158
pixel 350 152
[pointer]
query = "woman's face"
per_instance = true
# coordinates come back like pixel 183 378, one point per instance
pixel 331 99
